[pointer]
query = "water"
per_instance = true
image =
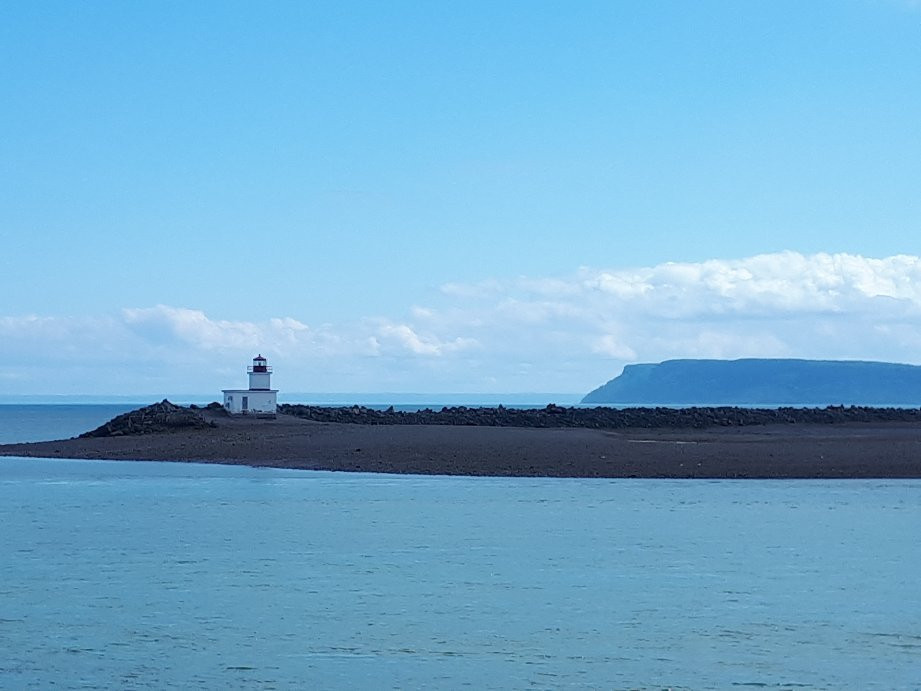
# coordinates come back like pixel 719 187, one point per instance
pixel 44 422
pixel 159 575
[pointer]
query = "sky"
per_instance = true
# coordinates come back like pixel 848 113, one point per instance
pixel 452 197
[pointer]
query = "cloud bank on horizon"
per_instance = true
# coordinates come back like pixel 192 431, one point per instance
pixel 560 333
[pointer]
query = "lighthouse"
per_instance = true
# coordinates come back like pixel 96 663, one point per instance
pixel 260 398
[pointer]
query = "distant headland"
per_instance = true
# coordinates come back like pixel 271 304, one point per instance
pixel 763 381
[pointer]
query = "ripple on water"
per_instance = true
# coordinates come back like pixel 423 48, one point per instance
pixel 151 576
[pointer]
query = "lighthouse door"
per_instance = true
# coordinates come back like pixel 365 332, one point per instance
pixel 246 403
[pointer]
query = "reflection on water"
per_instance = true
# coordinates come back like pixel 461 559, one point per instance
pixel 172 575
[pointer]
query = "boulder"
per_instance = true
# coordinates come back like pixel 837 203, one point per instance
pixel 159 417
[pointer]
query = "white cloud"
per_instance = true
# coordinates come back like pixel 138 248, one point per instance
pixel 429 345
pixel 765 284
pixel 472 290
pixel 573 332
pixel 611 346
pixel 422 312
pixel 772 305
pixel 169 325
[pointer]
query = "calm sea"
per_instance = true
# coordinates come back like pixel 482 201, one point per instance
pixel 160 575
pixel 44 422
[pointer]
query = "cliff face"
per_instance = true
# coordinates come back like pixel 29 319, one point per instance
pixel 763 381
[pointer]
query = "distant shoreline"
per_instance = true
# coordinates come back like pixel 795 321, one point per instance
pixel 843 449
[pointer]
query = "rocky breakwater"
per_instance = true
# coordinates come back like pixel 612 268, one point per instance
pixel 603 417
pixel 157 418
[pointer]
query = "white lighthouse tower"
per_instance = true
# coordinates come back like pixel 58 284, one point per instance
pixel 260 398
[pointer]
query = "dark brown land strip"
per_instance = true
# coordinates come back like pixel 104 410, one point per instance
pixel 830 449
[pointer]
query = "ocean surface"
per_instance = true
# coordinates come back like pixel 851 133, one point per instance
pixel 45 422
pixel 162 575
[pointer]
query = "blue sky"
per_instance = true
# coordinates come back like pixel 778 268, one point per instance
pixel 411 196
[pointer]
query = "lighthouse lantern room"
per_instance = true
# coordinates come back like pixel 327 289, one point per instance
pixel 260 398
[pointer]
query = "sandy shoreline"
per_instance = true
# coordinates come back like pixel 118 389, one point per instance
pixel 850 450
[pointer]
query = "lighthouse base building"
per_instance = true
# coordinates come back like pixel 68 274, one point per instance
pixel 260 399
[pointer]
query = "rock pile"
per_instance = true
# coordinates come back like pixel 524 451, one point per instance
pixel 159 417
pixel 603 417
